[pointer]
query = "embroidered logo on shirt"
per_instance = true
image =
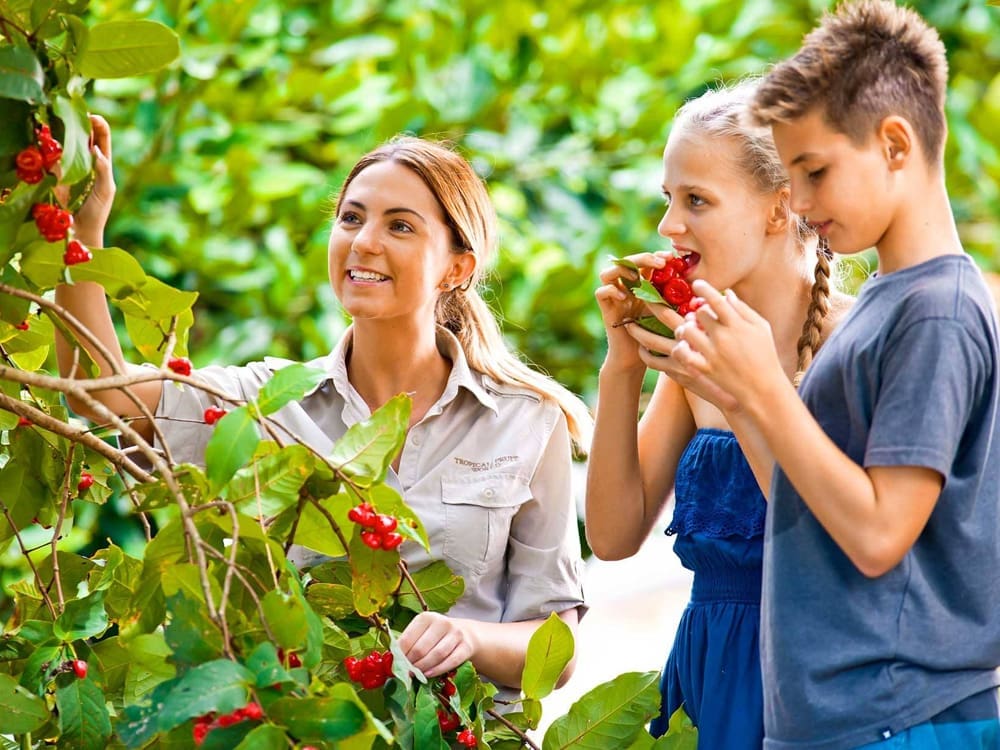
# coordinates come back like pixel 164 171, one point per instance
pixel 486 465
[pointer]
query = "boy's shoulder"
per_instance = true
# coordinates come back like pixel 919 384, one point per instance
pixel 945 287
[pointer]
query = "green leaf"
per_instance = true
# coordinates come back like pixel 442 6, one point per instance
pixel 648 293
pixel 437 584
pixel 266 667
pixel 318 719
pixel 610 715
pixel 232 444
pixel 331 599
pixel 376 576
pixel 22 711
pixel 76 160
pixel 286 616
pixel 288 384
pixel 121 49
pixel 118 272
pixel 192 636
pixel 138 722
pixel 681 733
pixel 265 737
pixel 367 448
pixel 82 618
pixel 653 324
pixel 270 484
pixel 426 730
pixel 21 75
pixel 219 686
pixel 314 531
pixel 549 651
pixel 84 722
pixel 13 212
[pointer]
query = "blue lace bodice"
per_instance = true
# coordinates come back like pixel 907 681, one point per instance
pixel 715 491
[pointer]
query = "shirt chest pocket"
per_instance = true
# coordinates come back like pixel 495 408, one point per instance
pixel 478 511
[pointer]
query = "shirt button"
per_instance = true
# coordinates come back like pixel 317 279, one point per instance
pixel 415 440
pixel 489 492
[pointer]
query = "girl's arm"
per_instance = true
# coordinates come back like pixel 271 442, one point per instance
pixel 87 303
pixel 436 644
pixel 874 515
pixel 631 468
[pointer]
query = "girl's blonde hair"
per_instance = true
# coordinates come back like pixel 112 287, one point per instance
pixel 725 112
pixel 469 213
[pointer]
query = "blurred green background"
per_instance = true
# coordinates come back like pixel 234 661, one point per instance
pixel 226 163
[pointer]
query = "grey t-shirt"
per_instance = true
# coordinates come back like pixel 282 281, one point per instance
pixel 908 379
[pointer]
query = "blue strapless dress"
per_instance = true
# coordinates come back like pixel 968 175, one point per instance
pixel 714 667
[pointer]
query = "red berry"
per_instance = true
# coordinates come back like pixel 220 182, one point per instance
pixel 448 721
pixel 22 326
pixel 385 524
pixel 30 160
pixel 213 414
pixel 448 688
pixel 31 178
pixel 180 365
pixel 79 668
pixel 294 660
pixel 86 480
pixel 24 422
pixel 75 253
pixel 199 732
pixel 677 291
pixel 51 152
pixel 253 711
pixel 227 720
pixel 353 667
pixel 467 738
pixel 391 540
pixel 371 539
pixel 679 265
pixel 661 276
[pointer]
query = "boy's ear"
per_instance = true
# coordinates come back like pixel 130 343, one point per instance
pixel 779 214
pixel 897 140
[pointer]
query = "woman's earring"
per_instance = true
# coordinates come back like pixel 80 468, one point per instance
pixel 445 286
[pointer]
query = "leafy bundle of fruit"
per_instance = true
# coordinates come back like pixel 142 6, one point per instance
pixel 664 286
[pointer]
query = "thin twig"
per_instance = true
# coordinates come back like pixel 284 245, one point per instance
pixel 525 740
pixel 332 522
pixel 58 527
pixel 31 564
pixel 260 518
pixel 404 569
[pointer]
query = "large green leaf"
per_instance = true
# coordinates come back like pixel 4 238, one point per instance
pixel 318 719
pixel 426 730
pixel 270 484
pixel 82 618
pixel 76 161
pixel 84 722
pixel 22 711
pixel 549 651
pixel 367 448
pixel 120 49
pixel 376 576
pixel 139 721
pixel 21 75
pixel 14 210
pixel 289 383
pixel 232 444
pixel 286 616
pixel 264 737
pixel 220 686
pixel 610 715
pixel 681 733
pixel 439 587
pixel 314 531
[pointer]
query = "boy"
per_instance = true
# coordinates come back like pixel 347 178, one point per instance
pixel 881 591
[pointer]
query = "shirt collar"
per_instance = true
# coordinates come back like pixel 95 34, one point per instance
pixel 462 376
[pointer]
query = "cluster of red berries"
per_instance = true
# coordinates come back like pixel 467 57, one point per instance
pixel 78 667
pixel 378 529
pixel 372 671
pixel 205 724
pixel 76 252
pixel 448 720
pixel 670 283
pixel 180 365
pixel 53 222
pixel 213 414
pixel 34 161
pixel 86 481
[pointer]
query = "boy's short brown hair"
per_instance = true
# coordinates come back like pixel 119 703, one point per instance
pixel 867 60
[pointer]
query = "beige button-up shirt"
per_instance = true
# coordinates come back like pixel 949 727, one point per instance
pixel 487 470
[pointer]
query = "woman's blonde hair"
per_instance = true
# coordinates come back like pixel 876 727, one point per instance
pixel 725 112
pixel 469 213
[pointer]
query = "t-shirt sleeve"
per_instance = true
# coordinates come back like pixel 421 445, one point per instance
pixel 544 567
pixel 931 376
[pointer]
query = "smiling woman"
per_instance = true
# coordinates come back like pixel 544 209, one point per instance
pixel 486 459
